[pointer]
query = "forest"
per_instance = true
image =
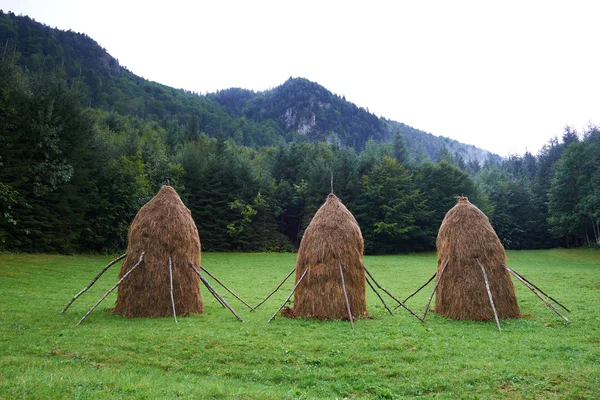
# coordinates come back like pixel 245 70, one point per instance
pixel 83 147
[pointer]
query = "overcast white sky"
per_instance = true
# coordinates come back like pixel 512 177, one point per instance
pixel 506 76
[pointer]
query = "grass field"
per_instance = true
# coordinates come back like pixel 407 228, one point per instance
pixel 44 355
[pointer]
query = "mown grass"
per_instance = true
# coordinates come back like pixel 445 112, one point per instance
pixel 44 355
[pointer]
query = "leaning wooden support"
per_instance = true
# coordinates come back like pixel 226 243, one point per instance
pixel 113 288
pixel 171 287
pixel 434 289
pixel 512 271
pixel 290 296
pixel 489 292
pixel 211 291
pixel 215 293
pixel 225 287
pixel 378 295
pixel 346 297
pixel 276 289
pixel 536 293
pixel 418 290
pixel 93 281
pixel 391 295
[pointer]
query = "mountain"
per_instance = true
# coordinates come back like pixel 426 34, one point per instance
pixel 308 108
pixel 297 110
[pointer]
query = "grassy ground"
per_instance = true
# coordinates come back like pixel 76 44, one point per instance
pixel 44 355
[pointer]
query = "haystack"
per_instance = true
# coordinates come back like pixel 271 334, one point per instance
pixel 162 229
pixel 466 241
pixel 333 237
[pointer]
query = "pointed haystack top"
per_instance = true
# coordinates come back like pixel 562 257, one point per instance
pixel 467 233
pixel 166 223
pixel 332 233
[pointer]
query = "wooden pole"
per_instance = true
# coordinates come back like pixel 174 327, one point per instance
pixel 489 292
pixel 332 180
pixel 171 287
pixel 110 264
pixel 225 287
pixel 391 295
pixel 378 295
pixel 536 293
pixel 211 291
pixel 273 292
pixel 215 293
pixel 288 298
pixel 437 282
pixel 419 289
pixel 113 288
pixel 532 284
pixel 346 297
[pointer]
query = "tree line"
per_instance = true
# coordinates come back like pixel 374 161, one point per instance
pixel 72 178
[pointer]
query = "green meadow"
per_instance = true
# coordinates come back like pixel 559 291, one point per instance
pixel 43 354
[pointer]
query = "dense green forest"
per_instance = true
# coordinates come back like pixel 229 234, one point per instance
pixel 84 143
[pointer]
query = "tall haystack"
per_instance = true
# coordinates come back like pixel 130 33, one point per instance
pixel 333 237
pixel 162 228
pixel 466 241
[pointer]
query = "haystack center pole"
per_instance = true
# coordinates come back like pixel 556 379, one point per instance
pixel 346 297
pixel 378 295
pixel 225 287
pixel 215 293
pixel 536 293
pixel 512 271
pixel 391 295
pixel 171 287
pixel 93 281
pixel 489 292
pixel 114 287
pixel 419 289
pixel 276 289
pixel 290 296
pixel 435 288
pixel 332 181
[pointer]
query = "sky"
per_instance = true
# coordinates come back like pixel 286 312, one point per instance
pixel 506 76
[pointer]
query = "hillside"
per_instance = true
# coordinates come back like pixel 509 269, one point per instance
pixel 298 110
pixel 307 107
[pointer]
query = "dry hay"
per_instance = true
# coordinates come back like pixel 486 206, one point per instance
pixel 332 237
pixel 466 236
pixel 162 228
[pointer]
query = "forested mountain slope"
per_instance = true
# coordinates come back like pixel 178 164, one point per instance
pixel 307 107
pixel 297 110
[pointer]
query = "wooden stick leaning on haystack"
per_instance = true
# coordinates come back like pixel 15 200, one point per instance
pixel 171 288
pixel 437 282
pixel 392 296
pixel 489 292
pixel 113 288
pixel 291 294
pixel 275 290
pixel 378 295
pixel 215 293
pixel 532 287
pixel 418 290
pixel 226 288
pixel 110 264
pixel 346 297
